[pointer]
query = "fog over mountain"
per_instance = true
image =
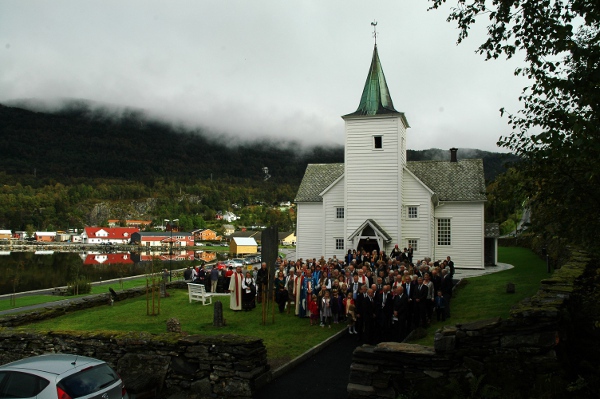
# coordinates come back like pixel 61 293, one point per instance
pixel 265 69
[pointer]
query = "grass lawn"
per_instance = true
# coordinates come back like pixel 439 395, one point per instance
pixel 287 338
pixel 485 296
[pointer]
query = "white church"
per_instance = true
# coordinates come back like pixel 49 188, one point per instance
pixel 376 199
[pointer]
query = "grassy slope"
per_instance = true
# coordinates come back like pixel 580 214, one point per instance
pixel 485 296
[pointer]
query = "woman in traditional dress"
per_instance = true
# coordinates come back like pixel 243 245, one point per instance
pixel 281 294
pixel 249 292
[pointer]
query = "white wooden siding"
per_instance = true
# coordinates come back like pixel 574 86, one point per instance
pixel 415 194
pixel 333 227
pixel 373 178
pixel 467 234
pixel 309 230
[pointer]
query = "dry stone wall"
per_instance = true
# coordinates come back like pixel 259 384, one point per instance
pixel 522 356
pixel 163 366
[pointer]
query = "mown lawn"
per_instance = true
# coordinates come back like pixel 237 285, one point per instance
pixel 285 339
pixel 485 296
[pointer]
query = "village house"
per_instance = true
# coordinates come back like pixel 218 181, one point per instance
pixel 287 238
pixel 44 236
pixel 162 239
pixel 256 234
pixel 205 235
pixel 105 235
pixel 228 229
pixel 5 234
pixel 243 246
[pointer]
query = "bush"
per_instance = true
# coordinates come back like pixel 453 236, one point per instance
pixel 78 287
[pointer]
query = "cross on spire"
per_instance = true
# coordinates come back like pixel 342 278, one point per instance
pixel 374 25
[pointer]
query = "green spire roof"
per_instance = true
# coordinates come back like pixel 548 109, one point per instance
pixel 376 97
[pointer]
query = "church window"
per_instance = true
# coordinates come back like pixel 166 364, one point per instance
pixel 414 243
pixel 339 213
pixel 443 230
pixel 339 243
pixel 413 212
pixel 377 142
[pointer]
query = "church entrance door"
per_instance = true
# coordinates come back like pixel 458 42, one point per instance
pixel 368 244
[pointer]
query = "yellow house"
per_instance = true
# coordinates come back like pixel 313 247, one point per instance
pixel 243 245
pixel 287 238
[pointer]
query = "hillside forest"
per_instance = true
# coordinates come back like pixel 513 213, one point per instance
pixel 80 166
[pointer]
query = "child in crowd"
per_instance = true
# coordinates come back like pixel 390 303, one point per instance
pixel 440 306
pixel 326 310
pixel 335 306
pixel 313 307
pixel 350 314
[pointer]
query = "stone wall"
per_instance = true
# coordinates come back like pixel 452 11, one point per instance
pixel 526 355
pixel 163 366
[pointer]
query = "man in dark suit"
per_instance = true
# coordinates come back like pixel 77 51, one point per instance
pixel 400 314
pixel 451 266
pixel 384 308
pixel 446 287
pixel 369 317
pixel 361 312
pixel 420 300
pixel 410 290
pixel 354 287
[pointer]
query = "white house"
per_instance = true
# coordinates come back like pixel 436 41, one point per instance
pixel 377 199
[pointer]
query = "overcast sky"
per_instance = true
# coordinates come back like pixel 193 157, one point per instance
pixel 286 69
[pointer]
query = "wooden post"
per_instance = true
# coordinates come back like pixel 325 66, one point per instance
pixel 269 243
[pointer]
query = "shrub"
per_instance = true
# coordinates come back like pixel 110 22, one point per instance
pixel 78 287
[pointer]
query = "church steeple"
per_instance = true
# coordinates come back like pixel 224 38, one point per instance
pixel 375 99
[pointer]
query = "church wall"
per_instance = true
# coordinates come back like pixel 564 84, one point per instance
pixel 467 235
pixel 333 227
pixel 372 178
pixel 415 194
pixel 309 230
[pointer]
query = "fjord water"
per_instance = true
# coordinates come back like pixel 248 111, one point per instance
pixel 27 271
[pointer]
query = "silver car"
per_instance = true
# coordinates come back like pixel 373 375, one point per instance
pixel 60 376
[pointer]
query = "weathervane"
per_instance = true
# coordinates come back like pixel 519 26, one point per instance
pixel 374 25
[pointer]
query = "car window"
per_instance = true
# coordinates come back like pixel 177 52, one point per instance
pixel 14 384
pixel 89 380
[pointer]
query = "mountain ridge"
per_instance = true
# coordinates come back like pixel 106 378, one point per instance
pixel 86 140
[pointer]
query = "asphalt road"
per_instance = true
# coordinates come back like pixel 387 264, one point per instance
pixel 324 375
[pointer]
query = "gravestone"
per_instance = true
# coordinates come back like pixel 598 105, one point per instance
pixel 218 320
pixel 163 284
pixel 510 288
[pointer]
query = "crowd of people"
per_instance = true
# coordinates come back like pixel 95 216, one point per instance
pixel 380 297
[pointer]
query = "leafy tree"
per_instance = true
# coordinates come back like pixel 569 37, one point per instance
pixel 557 131
pixel 30 230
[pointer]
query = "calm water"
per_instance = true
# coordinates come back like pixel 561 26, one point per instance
pixel 27 271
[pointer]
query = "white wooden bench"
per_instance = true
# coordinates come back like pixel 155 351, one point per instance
pixel 197 292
